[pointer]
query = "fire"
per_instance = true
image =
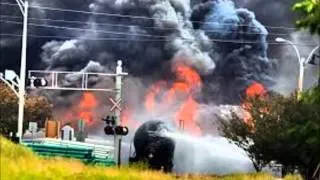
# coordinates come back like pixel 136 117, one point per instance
pixel 86 107
pixel 85 110
pixel 127 119
pixel 255 89
pixel 154 90
pixel 163 96
pixel 186 114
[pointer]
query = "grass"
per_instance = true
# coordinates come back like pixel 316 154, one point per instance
pixel 18 162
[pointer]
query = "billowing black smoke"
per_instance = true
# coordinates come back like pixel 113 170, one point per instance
pixel 153 147
pixel 11 30
pixel 227 47
pixel 161 33
pixel 225 44
pixel 172 35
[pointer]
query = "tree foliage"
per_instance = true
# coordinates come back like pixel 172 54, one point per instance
pixel 309 11
pixel 283 129
pixel 37 109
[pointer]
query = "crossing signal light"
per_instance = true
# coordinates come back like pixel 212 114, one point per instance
pixel 112 129
pixel 118 130
pixel 40 82
pixel 108 130
pixel 36 82
pixel 121 130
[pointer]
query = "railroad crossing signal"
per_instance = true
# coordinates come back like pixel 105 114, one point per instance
pixel 115 104
pixel 36 82
pixel 112 129
pixel 121 130
pixel 118 130
pixel 55 77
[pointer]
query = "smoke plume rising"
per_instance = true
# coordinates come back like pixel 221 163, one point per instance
pixel 166 33
pixel 224 43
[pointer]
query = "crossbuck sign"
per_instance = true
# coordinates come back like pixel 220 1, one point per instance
pixel 115 104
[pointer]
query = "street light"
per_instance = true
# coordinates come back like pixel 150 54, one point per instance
pixel 301 63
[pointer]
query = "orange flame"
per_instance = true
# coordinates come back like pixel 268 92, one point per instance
pixel 186 114
pixel 162 95
pixel 255 89
pixel 86 107
pixel 84 110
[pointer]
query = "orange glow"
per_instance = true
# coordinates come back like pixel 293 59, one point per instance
pixel 154 90
pixel 127 119
pixel 255 89
pixel 186 114
pixel 86 107
pixel 164 95
pixel 188 75
pixel 85 110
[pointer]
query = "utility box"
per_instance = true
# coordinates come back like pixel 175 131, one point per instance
pixel 52 129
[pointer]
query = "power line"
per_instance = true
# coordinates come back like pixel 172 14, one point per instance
pixel 70 37
pixel 144 35
pixel 137 17
pixel 151 40
pixel 146 27
pixel 89 30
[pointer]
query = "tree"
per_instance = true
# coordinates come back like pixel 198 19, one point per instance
pixel 37 109
pixel 309 11
pixel 281 129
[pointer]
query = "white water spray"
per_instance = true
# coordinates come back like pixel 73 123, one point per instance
pixel 208 155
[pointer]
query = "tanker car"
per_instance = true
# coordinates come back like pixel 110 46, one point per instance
pixel 152 147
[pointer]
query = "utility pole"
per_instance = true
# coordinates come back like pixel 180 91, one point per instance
pixel 24 9
pixel 117 112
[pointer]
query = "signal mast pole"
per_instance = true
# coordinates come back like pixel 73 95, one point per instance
pixel 24 10
pixel 117 112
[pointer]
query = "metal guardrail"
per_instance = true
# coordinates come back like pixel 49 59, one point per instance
pixel 88 153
